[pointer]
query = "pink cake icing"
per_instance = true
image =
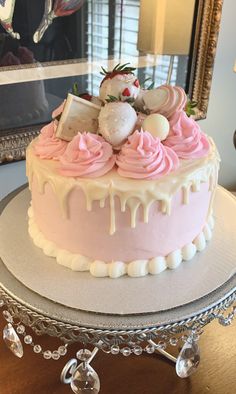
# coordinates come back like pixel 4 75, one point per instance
pixel 137 207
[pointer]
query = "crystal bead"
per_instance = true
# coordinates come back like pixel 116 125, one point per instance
pixel 1 303
pixel 55 355
pixel 28 339
pixel 188 359
pixel 126 351
pixel 85 380
pixel 184 338
pixel 83 354
pixel 173 341
pixel 12 340
pixel 224 321
pixel 142 335
pixel 162 345
pixel 137 350
pixel 47 355
pixel 20 329
pixel 115 349
pixel 199 331
pixel 37 349
pixel 62 350
pixel 164 337
pixel 150 349
pixel 194 336
pixel 7 316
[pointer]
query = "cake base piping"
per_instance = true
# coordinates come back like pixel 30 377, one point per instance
pixel 116 269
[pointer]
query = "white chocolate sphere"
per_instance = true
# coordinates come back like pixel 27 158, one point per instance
pixel 157 125
pixel 116 122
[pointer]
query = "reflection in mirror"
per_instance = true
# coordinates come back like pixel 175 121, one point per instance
pixel 48 45
pixel 120 29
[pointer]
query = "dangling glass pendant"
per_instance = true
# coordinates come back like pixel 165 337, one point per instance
pixel 85 380
pixel 12 340
pixel 188 359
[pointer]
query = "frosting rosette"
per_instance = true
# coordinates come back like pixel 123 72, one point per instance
pixel 185 137
pixel 48 146
pixel 87 155
pixel 145 157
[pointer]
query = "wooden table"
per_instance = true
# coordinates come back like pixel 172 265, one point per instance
pixel 146 374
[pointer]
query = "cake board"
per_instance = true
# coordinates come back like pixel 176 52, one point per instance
pixel 105 331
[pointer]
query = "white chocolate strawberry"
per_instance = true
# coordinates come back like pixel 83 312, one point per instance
pixel 116 122
pixel 120 83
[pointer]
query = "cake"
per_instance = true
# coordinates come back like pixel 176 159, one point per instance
pixel 136 196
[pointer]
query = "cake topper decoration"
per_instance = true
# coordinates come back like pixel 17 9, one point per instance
pixel 116 122
pixel 157 125
pixel 87 155
pixel 86 96
pixel 145 157
pixel 186 138
pixel 6 14
pixel 120 83
pixel 78 115
pixel 165 100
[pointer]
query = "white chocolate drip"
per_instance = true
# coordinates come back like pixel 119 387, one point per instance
pixel 132 194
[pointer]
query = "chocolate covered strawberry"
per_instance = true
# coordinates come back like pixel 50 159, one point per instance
pixel 120 83
pixel 116 121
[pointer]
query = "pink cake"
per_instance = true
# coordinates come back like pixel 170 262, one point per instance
pixel 133 198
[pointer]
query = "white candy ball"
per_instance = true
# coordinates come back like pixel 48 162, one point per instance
pixel 157 125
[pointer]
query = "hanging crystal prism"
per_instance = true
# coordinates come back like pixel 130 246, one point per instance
pixel 85 380
pixel 188 359
pixel 83 354
pixel 12 340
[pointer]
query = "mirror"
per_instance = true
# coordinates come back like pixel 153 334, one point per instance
pixel 46 46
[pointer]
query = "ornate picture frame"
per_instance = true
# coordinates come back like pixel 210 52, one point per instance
pixel 13 143
pixel 203 54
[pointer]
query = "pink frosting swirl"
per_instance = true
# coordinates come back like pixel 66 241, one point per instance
pixel 144 157
pixel 186 138
pixel 48 146
pixel 87 155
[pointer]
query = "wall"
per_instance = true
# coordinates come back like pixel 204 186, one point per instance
pixel 221 116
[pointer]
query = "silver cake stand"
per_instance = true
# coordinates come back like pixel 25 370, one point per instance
pixel 24 309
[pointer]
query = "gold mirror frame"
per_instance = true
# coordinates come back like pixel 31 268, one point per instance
pixel 13 145
pixel 204 50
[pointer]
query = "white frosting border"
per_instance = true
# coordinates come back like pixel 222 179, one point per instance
pixel 116 269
